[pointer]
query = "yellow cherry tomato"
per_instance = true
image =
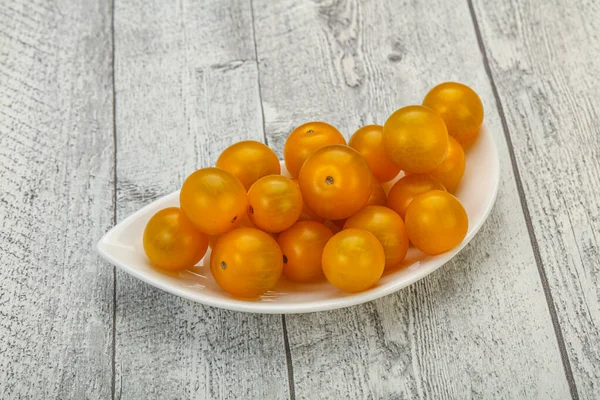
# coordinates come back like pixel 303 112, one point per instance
pixel 335 182
pixel 415 139
pixel 436 222
pixel 452 169
pixel 368 141
pixel 388 228
pixel 353 260
pixel 171 242
pixel 302 247
pixel 409 187
pixel 249 161
pixel 214 200
pixel 307 139
pixel 245 223
pixel 274 203
pixel 460 108
pixel 246 262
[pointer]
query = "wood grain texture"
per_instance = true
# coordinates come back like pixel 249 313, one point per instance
pixel 479 327
pixel 187 87
pixel 56 168
pixel 544 61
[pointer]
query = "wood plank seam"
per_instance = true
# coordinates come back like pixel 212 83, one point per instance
pixel 114 104
pixel 527 215
pixel 286 342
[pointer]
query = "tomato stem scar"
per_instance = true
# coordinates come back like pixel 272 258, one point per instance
pixel 329 180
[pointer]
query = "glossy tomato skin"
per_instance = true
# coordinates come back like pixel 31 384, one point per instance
pixel 335 182
pixel 436 222
pixel 415 139
pixel 353 260
pixel 452 169
pixel 460 108
pixel 409 187
pixel 214 200
pixel 171 242
pixel 302 247
pixel 246 262
pixel 274 203
pixel 305 140
pixel 368 141
pixel 388 228
pixel 249 161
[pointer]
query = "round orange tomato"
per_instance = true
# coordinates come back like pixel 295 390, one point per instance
pixel 275 203
pixel 436 222
pixel 353 260
pixel 249 161
pixel 171 242
pixel 336 182
pixel 214 200
pixel 415 139
pixel 451 170
pixel 378 197
pixel 460 108
pixel 388 228
pixel 302 247
pixel 307 214
pixel 246 262
pixel 409 187
pixel 368 141
pixel 305 140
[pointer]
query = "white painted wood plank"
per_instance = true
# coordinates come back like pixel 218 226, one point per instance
pixel 56 199
pixel 544 60
pixel 479 327
pixel 187 87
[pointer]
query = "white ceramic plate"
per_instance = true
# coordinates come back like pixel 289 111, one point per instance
pixel 122 246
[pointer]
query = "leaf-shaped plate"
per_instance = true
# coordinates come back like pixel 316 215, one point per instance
pixel 122 246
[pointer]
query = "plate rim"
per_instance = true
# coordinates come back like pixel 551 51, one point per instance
pixel 249 306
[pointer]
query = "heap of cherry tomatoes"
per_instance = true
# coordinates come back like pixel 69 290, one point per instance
pixel 332 219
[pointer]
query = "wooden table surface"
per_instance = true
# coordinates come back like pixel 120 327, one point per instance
pixel 105 106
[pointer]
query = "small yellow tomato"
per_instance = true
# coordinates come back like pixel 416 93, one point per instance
pixel 460 108
pixel 214 200
pixel 302 247
pixel 452 169
pixel 307 139
pixel 249 161
pixel 436 222
pixel 353 260
pixel 171 242
pixel 388 228
pixel 409 187
pixel 274 203
pixel 246 262
pixel 416 139
pixel 368 141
